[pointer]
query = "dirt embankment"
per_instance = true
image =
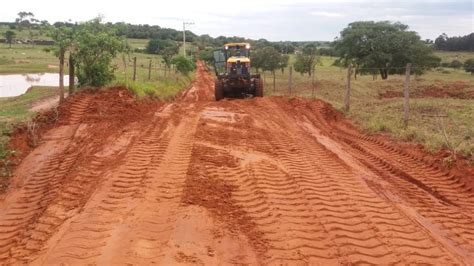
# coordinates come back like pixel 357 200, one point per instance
pixel 109 110
pixel 257 181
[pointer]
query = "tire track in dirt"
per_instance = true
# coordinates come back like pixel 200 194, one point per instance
pixel 38 191
pixel 148 234
pixel 86 235
pixel 360 202
pixel 95 234
pixel 449 225
pixel 255 181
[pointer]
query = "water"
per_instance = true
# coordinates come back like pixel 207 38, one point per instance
pixel 17 84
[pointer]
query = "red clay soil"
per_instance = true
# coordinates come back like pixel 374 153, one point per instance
pixel 111 109
pixel 457 90
pixel 256 181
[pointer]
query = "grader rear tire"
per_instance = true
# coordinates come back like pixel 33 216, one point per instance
pixel 258 88
pixel 218 90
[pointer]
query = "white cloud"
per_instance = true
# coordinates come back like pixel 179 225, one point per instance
pixel 271 19
pixel 326 14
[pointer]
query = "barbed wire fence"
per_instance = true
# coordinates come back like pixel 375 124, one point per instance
pixel 413 100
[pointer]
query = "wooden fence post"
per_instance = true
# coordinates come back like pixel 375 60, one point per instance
pixel 313 71
pixel 125 69
pixel 347 93
pixel 290 79
pixel 406 94
pixel 134 68
pixel 274 81
pixel 149 70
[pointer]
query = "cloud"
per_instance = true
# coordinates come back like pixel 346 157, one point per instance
pixel 326 14
pixel 298 20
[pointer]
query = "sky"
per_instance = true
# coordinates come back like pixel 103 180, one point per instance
pixel 274 20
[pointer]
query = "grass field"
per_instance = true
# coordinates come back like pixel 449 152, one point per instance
pixel 450 56
pixel 22 58
pixel 435 122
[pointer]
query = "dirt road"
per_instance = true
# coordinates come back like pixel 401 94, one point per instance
pixel 257 181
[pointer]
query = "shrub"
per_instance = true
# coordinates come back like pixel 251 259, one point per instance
pixel 469 65
pixel 183 64
pixel 456 64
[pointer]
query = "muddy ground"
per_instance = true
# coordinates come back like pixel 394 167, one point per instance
pixel 257 181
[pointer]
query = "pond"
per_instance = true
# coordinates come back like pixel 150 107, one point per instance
pixel 17 84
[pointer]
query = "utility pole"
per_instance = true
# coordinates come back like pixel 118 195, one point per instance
pixel 184 35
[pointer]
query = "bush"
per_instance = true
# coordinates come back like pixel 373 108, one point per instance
pixel 207 55
pixel 456 64
pixel 469 65
pixel 183 64
pixel 97 74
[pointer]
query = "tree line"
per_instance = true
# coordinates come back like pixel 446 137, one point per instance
pixel 460 43
pixel 376 48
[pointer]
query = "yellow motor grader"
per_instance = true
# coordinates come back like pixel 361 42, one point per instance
pixel 232 66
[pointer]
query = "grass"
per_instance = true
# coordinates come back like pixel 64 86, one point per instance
pixel 137 43
pixel 22 58
pixel 17 109
pixel 163 90
pixel 448 57
pixel 376 114
pixel 159 83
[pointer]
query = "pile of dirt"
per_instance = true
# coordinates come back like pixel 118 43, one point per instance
pixel 456 90
pixel 454 164
pixel 113 107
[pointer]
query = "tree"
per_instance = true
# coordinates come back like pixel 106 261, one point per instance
pixel 307 59
pixel 283 62
pixel 9 36
pixel 63 38
pixel 310 51
pixel 96 46
pixel 269 59
pixel 384 47
pixel 469 65
pixel 441 43
pixel 257 59
pixel 183 64
pixel 166 48
pixel 461 43
pixel 302 64
pixel 24 20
